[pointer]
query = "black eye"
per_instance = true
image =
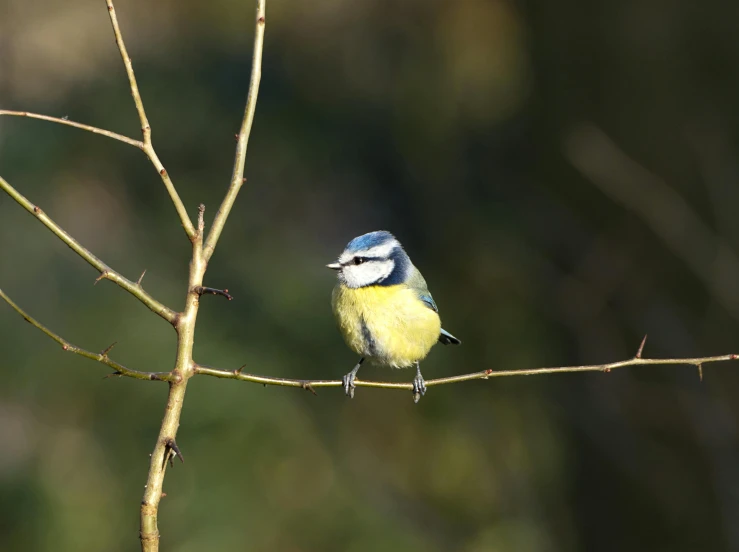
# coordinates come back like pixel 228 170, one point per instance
pixel 359 260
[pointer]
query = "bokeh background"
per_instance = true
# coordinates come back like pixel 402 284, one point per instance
pixel 564 174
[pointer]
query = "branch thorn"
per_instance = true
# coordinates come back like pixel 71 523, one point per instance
pixel 240 369
pixel 308 387
pixel 105 352
pixel 138 282
pixel 174 450
pixel 103 275
pixel 200 290
pixel 641 347
pixel 700 372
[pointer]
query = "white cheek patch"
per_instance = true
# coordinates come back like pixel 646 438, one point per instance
pixel 366 274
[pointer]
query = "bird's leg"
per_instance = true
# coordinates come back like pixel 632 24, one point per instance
pixel 419 386
pixel 348 379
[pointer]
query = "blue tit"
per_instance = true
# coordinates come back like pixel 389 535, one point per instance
pixel 384 309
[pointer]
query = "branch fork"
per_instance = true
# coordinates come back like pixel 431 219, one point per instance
pixel 203 248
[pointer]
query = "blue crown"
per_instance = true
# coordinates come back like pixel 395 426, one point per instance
pixel 367 241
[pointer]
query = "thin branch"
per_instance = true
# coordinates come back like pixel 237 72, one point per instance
pixel 485 374
pixel 183 370
pixel 101 357
pixel 95 130
pixel 145 146
pixel 201 220
pixel 146 128
pixel 237 179
pixel 106 272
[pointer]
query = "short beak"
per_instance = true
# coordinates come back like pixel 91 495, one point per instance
pixel 334 266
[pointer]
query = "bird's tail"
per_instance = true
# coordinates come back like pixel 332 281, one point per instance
pixel 448 339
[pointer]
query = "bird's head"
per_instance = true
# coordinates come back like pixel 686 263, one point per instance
pixel 372 259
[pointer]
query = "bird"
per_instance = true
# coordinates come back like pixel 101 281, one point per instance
pixel 383 307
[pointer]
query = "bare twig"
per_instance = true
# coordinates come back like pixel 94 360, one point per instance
pixel 95 130
pixel 106 272
pixel 185 324
pixel 485 374
pixel 149 532
pixel 237 178
pixel 145 145
pixel 146 128
pixel 101 357
pixel 201 218
pixel 183 370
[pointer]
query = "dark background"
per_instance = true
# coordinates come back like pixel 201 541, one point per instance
pixel 563 173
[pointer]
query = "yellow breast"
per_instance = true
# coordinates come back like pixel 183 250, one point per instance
pixel 388 324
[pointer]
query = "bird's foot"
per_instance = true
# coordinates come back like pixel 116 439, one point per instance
pixel 348 381
pixel 419 387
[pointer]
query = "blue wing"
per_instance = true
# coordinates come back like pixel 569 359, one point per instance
pixel 428 301
pixel 419 285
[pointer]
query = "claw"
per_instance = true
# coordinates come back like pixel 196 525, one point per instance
pixel 419 386
pixel 348 380
pixel 349 386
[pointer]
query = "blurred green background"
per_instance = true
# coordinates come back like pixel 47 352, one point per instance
pixel 563 173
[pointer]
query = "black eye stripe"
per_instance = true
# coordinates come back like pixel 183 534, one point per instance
pixel 359 260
